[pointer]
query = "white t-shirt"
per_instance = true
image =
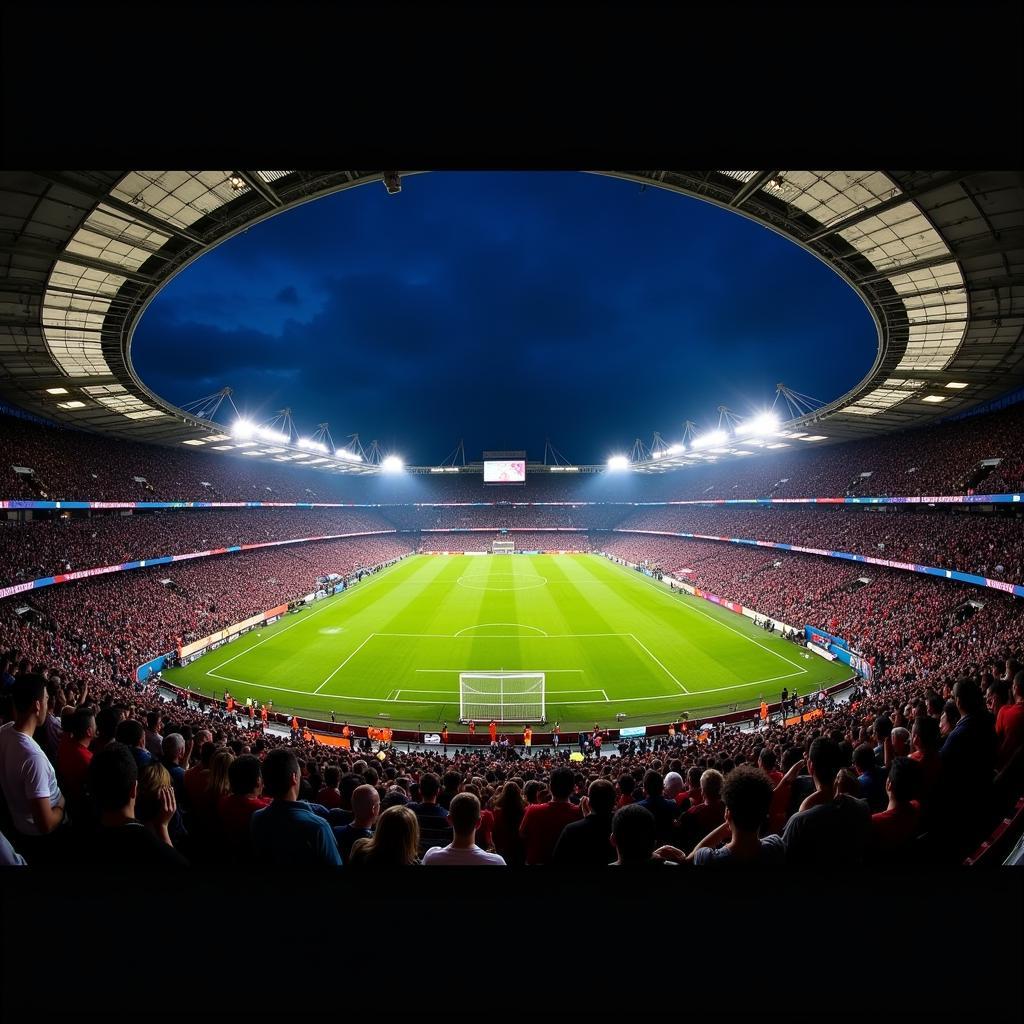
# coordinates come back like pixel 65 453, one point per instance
pixel 25 775
pixel 461 858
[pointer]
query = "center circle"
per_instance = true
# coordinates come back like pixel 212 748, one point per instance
pixel 527 582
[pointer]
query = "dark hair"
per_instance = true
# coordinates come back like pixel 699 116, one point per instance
pixel 332 776
pixel 206 752
pixel 81 722
pixel 601 795
pixel 278 768
pixel 967 694
pixel 766 759
pixel 748 795
pixel 429 786
pixel 654 785
pixel 627 784
pixel 635 833
pixel 951 711
pixel 826 758
pixel 348 785
pixel 112 773
pixel 451 780
pixel 464 812
pixel 904 778
pixel 864 757
pixel 927 730
pixel 561 783
pixel 129 732
pixel 106 722
pixel 26 691
pixel 882 727
pixel 244 774
pixel 152 719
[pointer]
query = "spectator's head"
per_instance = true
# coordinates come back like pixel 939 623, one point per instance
pixel 31 700
pixel 464 815
pixel 693 778
pixel 950 716
pixel 881 728
pixel 766 759
pixel 634 833
pixel 673 785
pixel 130 733
pixel 903 784
pixel 114 780
pixel 430 786
pixel 332 776
pixel 395 840
pixel 153 780
pixel 924 734
pixel 365 806
pixel 281 774
pixel 626 785
pixel 900 741
pixel 824 760
pixel 350 782
pixel 653 784
pixel 174 748
pixel 153 721
pixel 83 725
pixel 451 781
pixel 219 783
pixel 601 795
pixel 968 697
pixel 561 784
pixel 711 785
pixel 245 776
pixel 864 758
pixel 747 794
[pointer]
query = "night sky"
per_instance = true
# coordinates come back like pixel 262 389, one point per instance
pixel 505 309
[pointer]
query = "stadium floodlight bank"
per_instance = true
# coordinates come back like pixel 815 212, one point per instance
pixel 503 547
pixel 501 696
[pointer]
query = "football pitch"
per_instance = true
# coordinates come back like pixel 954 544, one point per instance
pixel 611 641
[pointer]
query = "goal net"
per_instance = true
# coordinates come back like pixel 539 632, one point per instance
pixel 503 547
pixel 503 696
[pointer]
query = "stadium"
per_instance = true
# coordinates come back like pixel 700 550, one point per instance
pixel 816 606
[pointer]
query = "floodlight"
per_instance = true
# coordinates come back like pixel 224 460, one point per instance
pixel 760 426
pixel 392 464
pixel 618 462
pixel 344 453
pixel 311 445
pixel 711 439
pixel 269 434
pixel 675 449
pixel 243 429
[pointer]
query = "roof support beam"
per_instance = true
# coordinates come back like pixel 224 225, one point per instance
pixel 906 268
pixel 888 204
pixel 134 212
pixel 759 179
pixel 258 185
pixel 52 254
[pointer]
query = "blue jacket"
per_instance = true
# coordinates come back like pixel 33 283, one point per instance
pixel 289 834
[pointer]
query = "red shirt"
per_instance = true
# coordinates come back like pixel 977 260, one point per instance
pixel 542 825
pixel 72 766
pixel 891 829
pixel 235 811
pixel 329 797
pixel 705 818
pixel 1009 732
pixel 493 730
pixel 483 833
pixel 472 728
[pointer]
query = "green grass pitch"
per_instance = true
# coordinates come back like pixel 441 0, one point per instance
pixel 610 641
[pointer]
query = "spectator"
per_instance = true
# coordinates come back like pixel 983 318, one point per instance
pixel 175 752
pixel 27 779
pixel 509 809
pixel 634 833
pixel 366 808
pixel 288 833
pixel 542 824
pixel 833 829
pixel 709 813
pixel 235 810
pixel 626 784
pixel 664 810
pixel 133 736
pixel 154 738
pixel 586 843
pixel 1010 725
pixel 747 795
pixel 432 819
pixel 121 840
pixel 893 829
pixel 330 793
pixel 464 814
pixel 74 755
pixel 395 841
pixel 871 778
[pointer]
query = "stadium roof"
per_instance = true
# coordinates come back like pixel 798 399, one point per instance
pixel 937 256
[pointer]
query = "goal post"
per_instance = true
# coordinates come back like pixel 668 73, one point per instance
pixel 501 696
pixel 503 547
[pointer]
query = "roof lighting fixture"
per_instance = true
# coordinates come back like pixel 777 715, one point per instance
pixel 344 453
pixel 760 426
pixel 311 445
pixel 711 439
pixel 73 404
pixel 243 429
pixel 814 437
pixel 392 464
pixel 64 391
pixel 957 385
pixel 235 180
pixel 934 398
pixel 617 462
pixel 193 440
pixel 269 434
pixel 778 444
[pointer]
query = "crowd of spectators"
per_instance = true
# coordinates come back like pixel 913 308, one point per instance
pixel 524 540
pixel 939 460
pixel 45 546
pixel 988 545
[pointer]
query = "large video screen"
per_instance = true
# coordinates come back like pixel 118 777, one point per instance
pixel 505 471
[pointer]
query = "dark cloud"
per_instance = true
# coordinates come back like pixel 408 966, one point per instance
pixel 505 309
